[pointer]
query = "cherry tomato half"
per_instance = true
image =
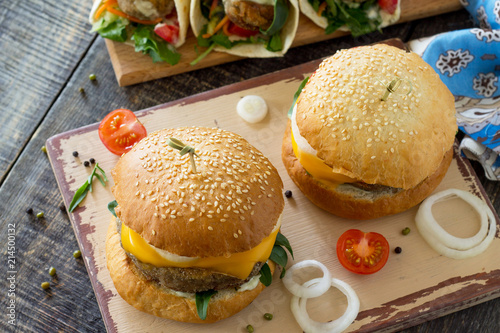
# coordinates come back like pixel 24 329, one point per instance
pixel 120 130
pixel 388 5
pixel 242 32
pixel 362 253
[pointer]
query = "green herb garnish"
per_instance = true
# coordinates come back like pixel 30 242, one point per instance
pixel 81 193
pixel 393 86
pixel 202 299
pixel 184 149
pixel 111 207
pixel 279 256
pixel 296 96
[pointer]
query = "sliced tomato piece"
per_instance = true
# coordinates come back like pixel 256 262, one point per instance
pixel 120 130
pixel 362 253
pixel 168 32
pixel 388 5
pixel 242 32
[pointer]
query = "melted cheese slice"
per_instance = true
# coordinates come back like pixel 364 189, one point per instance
pixel 315 166
pixel 239 265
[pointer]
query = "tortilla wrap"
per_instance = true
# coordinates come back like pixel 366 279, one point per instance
pixel 307 9
pixel 257 50
pixel 182 8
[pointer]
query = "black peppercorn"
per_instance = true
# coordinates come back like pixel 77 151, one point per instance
pixel 398 249
pixel 86 163
pixel 75 153
pixel 288 193
pixel 29 211
pixel 92 160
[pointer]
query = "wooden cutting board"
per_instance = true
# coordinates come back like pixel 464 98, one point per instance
pixel 131 67
pixel 414 286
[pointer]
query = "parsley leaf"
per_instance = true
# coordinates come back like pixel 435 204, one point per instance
pixel 202 299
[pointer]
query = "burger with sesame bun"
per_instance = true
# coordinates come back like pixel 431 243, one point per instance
pixel 371 133
pixel 197 219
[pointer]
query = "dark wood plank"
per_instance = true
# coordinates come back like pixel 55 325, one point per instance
pixel 41 43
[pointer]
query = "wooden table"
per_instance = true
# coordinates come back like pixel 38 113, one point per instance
pixel 46 56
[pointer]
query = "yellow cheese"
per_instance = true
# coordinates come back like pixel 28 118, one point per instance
pixel 239 265
pixel 317 168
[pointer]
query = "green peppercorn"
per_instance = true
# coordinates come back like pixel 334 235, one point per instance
pixel 52 271
pixel 45 285
pixel 81 90
pixel 92 77
pixel 249 328
pixel 77 254
pixel 405 231
pixel 268 316
pixel 39 215
pixel 44 149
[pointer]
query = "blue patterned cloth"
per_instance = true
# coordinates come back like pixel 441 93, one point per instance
pixel 468 62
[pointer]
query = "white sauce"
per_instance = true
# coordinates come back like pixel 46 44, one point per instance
pixel 250 285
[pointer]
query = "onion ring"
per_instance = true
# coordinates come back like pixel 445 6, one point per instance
pixel 298 290
pixel 298 307
pixel 446 244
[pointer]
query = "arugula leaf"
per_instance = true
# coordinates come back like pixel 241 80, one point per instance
pixel 81 193
pixel 274 43
pixel 111 207
pixel 283 241
pixel 202 299
pixel 358 18
pixel 295 97
pixel 281 12
pixel 147 42
pixel 279 256
pixel 116 31
pixel 265 275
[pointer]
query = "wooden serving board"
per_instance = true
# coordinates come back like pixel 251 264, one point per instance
pixel 414 286
pixel 131 67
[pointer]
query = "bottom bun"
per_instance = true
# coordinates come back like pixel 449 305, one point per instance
pixel 354 203
pixel 147 296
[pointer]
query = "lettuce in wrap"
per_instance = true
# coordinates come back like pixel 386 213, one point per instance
pixel 154 27
pixel 257 28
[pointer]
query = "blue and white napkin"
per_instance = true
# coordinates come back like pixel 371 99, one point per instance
pixel 468 62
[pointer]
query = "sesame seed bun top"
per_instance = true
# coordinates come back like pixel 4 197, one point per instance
pixel 398 142
pixel 230 205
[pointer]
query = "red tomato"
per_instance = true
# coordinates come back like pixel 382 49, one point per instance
pixel 388 5
pixel 170 33
pixel 120 130
pixel 362 253
pixel 239 31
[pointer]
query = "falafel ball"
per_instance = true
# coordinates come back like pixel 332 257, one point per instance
pixel 146 9
pixel 249 15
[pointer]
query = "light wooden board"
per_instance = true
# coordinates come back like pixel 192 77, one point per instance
pixel 414 286
pixel 131 67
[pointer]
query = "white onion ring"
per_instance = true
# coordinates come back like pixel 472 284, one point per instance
pixel 448 245
pixel 298 307
pixel 252 108
pixel 307 292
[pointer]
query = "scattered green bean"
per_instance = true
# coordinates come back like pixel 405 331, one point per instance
pixel 52 271
pixel 249 328
pixel 268 316
pixel 44 149
pixel 39 215
pixel 92 77
pixel 45 285
pixel 406 231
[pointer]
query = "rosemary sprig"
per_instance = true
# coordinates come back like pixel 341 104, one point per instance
pixel 184 149
pixel 81 193
pixel 393 86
